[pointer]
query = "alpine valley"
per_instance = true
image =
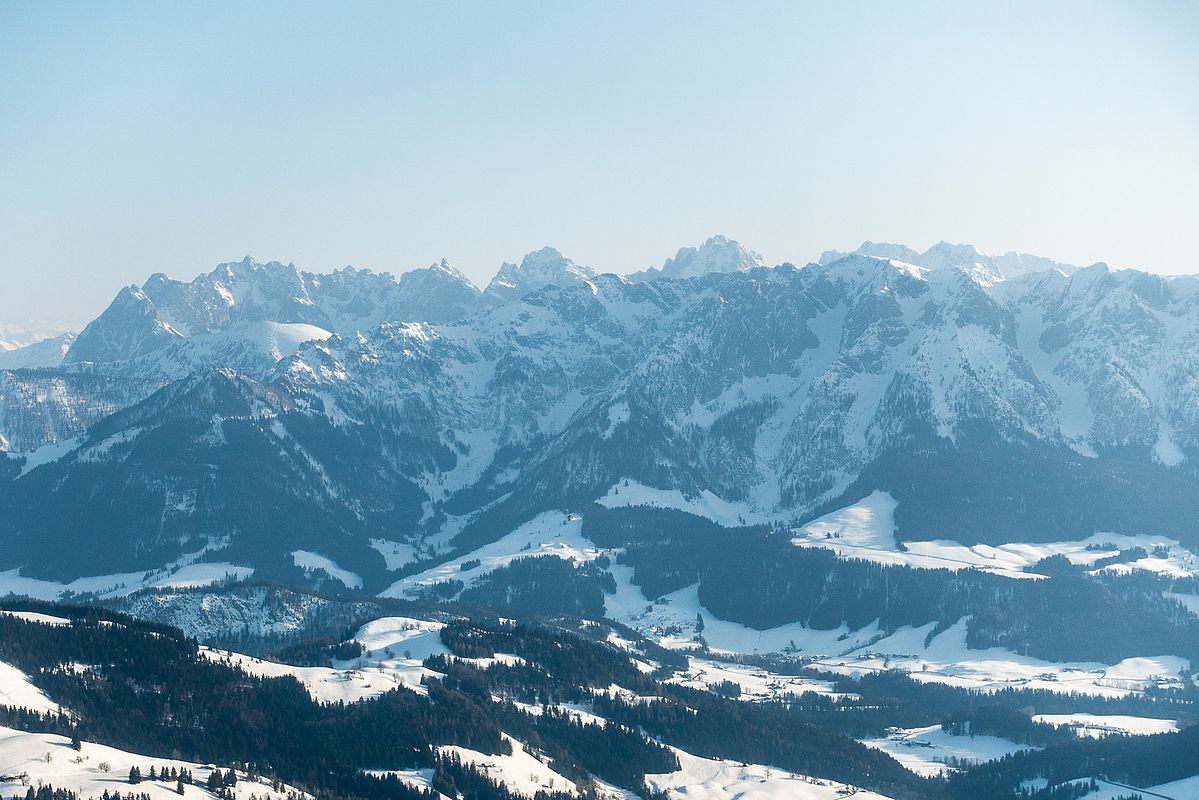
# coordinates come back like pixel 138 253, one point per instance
pixel 893 524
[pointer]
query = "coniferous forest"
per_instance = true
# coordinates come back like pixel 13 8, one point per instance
pixel 149 689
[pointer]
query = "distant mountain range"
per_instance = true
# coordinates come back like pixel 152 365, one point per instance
pixel 259 410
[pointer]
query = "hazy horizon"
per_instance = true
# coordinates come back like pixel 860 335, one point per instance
pixel 170 139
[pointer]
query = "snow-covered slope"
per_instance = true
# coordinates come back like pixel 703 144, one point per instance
pixel 43 353
pixel 17 691
pixel 32 759
pixel 930 751
pixel 709 779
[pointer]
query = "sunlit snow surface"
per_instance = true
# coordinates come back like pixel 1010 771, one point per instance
pixel 946 659
pixel 550 534
pixel 520 771
pixel 755 683
pixel 705 504
pixel 395 648
pixel 18 691
pixel 926 750
pixel 314 562
pixel 866 530
pixel 33 616
pixel 25 754
pixel 1185 789
pixel 710 779
pixel 120 584
pixel 1096 726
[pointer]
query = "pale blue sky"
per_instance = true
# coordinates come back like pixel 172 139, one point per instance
pixel 168 137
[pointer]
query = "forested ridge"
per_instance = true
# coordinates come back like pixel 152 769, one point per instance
pixel 148 689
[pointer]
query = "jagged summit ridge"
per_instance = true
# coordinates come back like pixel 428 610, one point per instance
pixel 144 319
pixel 538 269
pixel 947 255
pixel 717 254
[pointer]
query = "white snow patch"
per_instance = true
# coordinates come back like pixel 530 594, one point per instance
pixel 946 659
pixel 521 772
pixel 866 530
pixel 120 584
pixel 330 684
pixel 415 639
pixel 1165 451
pixel 24 754
pixel 1185 789
pixel 705 504
pixel 553 533
pixel 33 616
pixel 926 750
pixel 47 454
pixel 312 562
pixel 1096 726
pixel 421 779
pixel 618 414
pixel 393 651
pixel 395 554
pixel 711 779
pixel 18 691
pixel 756 684
pixel 672 621
pixel 575 711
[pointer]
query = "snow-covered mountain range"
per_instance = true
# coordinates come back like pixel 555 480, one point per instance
pixel 259 410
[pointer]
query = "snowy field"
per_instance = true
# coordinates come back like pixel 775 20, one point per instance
pixel 33 616
pixel 121 584
pixel 1095 726
pixel 705 504
pixel 327 684
pixel 709 779
pixel 1185 789
pixel 926 751
pixel 756 684
pixel 946 659
pixel 521 771
pixel 551 534
pixel 416 778
pixel 866 530
pixel 29 759
pixel 394 650
pixel 18 691
pixel 315 562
